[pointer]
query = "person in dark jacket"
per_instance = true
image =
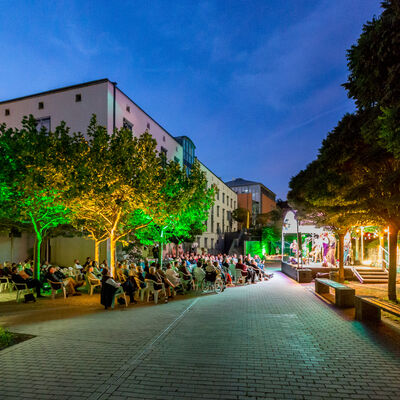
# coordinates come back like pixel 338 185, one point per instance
pixel 31 283
pixel 109 289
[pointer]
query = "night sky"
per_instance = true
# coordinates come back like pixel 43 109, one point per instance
pixel 255 84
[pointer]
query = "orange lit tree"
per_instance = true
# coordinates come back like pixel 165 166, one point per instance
pixel 116 185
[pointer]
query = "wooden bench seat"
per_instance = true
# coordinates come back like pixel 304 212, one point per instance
pixel 344 295
pixel 370 307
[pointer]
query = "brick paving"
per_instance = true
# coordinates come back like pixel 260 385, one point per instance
pixel 272 340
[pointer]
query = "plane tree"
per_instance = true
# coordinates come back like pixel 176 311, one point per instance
pixel 32 184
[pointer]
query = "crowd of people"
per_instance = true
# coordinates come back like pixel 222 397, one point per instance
pixel 181 274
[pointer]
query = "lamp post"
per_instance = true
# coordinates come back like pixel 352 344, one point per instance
pixel 362 245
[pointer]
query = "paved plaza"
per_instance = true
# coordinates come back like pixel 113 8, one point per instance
pixel 272 340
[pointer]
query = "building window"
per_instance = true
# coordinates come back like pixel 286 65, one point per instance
pixel 148 125
pixel 231 203
pixel 43 122
pixel 227 200
pixel 128 109
pixel 223 197
pixel 127 125
pixel 40 105
pixel 218 228
pixel 217 195
pixel 212 243
pixel 78 98
pixel 163 138
pixel 7 111
pixel 217 211
pixel 205 242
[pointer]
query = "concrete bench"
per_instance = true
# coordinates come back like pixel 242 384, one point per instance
pixel 370 307
pixel 344 295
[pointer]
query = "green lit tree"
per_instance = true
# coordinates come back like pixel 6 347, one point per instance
pixel 31 179
pixel 183 208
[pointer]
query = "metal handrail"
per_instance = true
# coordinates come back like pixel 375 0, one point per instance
pixel 385 263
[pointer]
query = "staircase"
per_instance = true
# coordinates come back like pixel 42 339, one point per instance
pixel 371 275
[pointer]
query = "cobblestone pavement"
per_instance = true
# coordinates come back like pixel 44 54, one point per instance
pixel 272 340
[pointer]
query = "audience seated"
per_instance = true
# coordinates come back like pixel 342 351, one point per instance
pixel 56 277
pixel 19 277
pixel 109 289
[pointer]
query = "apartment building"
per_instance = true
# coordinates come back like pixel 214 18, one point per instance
pixel 253 197
pixel 220 215
pixel 114 109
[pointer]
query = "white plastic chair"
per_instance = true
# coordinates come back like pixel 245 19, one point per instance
pixel 142 292
pixel 91 284
pixel 239 277
pixel 22 289
pixel 151 290
pixel 199 276
pixel 60 286
pixel 5 283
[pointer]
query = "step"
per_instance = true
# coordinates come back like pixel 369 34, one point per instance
pixel 372 273
pixel 368 278
pixel 370 270
pixel 375 281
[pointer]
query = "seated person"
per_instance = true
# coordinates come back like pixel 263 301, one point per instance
pixel 28 267
pixel 167 283
pixel 91 276
pixel 198 272
pixel 56 277
pixel 109 289
pixel 22 278
pixel 157 282
pixel 139 277
pixel 77 265
pixel 172 275
pixel 130 286
pixel 246 271
pixel 211 272
pixel 2 271
pixel 96 270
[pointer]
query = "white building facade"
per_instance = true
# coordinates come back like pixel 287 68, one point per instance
pixel 220 215
pixel 113 108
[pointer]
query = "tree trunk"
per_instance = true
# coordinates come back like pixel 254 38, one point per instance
pixel 341 257
pixel 112 255
pixel 97 251
pixel 357 252
pixel 160 253
pixel 37 260
pixel 394 230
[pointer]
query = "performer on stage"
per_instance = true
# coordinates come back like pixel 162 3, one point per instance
pixel 294 247
pixel 325 246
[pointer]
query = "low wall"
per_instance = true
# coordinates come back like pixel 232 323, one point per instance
pixel 302 275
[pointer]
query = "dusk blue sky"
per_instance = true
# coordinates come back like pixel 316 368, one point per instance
pixel 255 84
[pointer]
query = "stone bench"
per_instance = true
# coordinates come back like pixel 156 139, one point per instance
pixel 370 307
pixel 344 295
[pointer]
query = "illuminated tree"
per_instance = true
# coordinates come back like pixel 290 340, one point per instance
pixel 115 185
pixel 183 207
pixel 241 215
pixel 31 179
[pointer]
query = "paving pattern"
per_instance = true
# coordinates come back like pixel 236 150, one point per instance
pixel 272 340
